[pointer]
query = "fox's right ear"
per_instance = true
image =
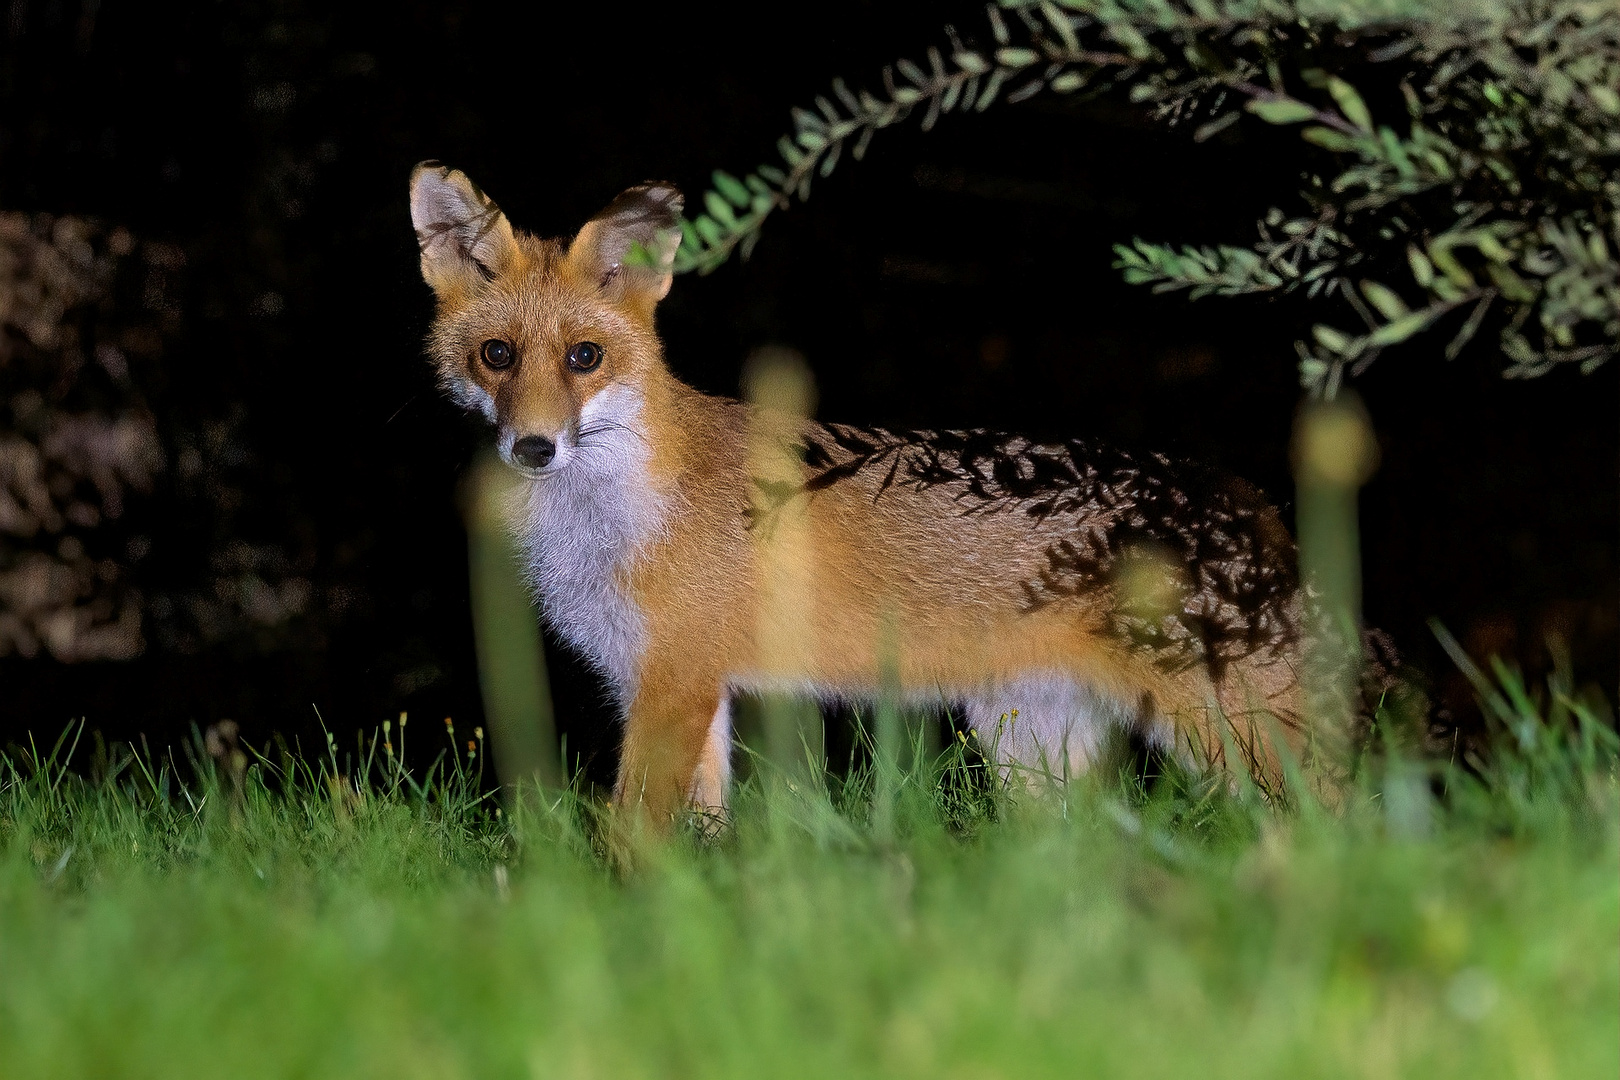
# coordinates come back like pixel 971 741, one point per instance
pixel 649 215
pixel 464 237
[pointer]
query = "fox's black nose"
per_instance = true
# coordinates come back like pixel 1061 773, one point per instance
pixel 534 451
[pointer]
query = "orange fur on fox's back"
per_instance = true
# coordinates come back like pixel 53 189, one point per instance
pixel 1073 586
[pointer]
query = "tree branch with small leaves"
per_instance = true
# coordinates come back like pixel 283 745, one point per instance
pixel 1495 195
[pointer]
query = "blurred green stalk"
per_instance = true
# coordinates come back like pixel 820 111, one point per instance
pixel 1335 452
pixel 779 385
pixel 511 660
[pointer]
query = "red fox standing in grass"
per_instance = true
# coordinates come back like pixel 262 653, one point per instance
pixel 1076 587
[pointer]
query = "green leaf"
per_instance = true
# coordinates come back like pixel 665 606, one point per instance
pixel 1016 58
pixel 805 120
pixel 1280 110
pixel 720 209
pixel 731 188
pixel 971 62
pixel 851 102
pixel 992 87
pixel 1605 98
pixel 1216 126
pixel 830 162
pixel 1070 81
pixel 713 235
pixel 1131 40
pixel 1597 247
pixel 1333 340
pixel 1060 25
pixel 1127 256
pixel 1512 286
pixel 1385 299
pixel 1422 268
pixel 1456 273
pixel 689 236
pixel 1446 289
pixel 638 255
pixel 1395 152
pixel 998 27
pixel 1401 328
pixel 1490 247
pixel 1329 139
pixel 1350 103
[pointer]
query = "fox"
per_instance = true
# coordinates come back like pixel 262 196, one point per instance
pixel 1049 594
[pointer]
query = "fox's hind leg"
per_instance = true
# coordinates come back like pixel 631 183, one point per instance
pixel 1255 720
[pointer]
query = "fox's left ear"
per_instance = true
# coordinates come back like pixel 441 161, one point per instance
pixel 648 215
pixel 464 237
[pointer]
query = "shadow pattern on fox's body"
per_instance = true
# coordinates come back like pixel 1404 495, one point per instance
pixel 1237 596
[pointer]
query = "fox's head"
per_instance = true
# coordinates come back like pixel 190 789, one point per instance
pixel 550 340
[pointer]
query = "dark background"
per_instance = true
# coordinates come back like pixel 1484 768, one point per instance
pixel 955 278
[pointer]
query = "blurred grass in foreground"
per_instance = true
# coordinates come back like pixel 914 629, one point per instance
pixel 511 661
pixel 296 922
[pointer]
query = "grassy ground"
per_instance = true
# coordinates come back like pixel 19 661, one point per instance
pixel 396 928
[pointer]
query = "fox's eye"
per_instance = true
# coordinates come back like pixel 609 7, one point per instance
pixel 497 354
pixel 584 356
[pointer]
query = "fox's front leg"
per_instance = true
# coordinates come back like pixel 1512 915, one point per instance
pixel 675 753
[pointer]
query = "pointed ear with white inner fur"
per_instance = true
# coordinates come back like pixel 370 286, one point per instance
pixel 464 237
pixel 647 215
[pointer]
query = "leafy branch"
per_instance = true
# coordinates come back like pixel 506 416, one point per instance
pixel 1560 271
pixel 969 80
pixel 1501 195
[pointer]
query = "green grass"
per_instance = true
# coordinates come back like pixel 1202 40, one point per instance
pixel 400 928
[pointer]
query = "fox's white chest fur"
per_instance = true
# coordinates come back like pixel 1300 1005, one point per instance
pixel 581 527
